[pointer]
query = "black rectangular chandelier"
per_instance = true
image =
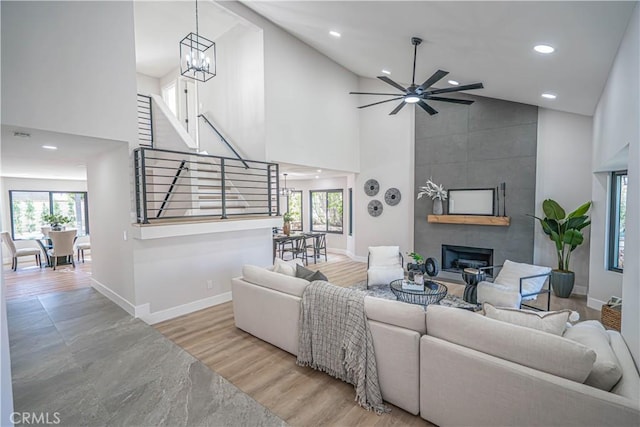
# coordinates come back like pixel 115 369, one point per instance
pixel 197 55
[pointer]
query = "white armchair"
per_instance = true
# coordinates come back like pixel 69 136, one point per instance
pixel 384 265
pixel 516 282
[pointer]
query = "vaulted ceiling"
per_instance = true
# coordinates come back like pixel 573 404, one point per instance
pixel 478 41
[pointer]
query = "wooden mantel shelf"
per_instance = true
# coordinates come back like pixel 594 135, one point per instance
pixel 500 221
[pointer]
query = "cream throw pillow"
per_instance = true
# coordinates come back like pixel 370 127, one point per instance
pixel 553 322
pixel 286 267
pixel 606 371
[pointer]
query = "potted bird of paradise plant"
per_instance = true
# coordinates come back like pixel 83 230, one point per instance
pixel 565 231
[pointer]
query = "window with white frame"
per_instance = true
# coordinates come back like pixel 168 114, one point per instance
pixel 617 217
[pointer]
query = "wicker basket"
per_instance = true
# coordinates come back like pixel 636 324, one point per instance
pixel 611 317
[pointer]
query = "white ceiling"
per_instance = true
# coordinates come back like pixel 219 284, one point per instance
pixel 25 157
pixel 297 172
pixel 160 25
pixel 488 42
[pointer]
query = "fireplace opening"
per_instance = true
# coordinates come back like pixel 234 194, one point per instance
pixel 457 258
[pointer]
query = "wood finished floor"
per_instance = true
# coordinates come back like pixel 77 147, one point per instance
pixel 30 280
pixel 300 396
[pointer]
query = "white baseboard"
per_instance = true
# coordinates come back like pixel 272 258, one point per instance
pixel 113 296
pixel 580 290
pixel 143 311
pixel 595 303
pixel 337 251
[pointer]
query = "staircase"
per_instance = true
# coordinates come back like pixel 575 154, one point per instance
pixel 173 185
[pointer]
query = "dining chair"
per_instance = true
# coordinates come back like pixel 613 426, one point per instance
pixel 62 245
pixel 16 253
pixel 81 244
pixel 298 249
pixel 317 245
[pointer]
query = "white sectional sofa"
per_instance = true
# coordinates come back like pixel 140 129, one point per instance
pixel 455 367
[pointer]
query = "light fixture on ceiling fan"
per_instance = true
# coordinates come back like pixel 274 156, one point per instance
pixel 197 55
pixel 286 191
pixel 415 94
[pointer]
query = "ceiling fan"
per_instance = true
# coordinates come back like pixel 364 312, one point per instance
pixel 419 94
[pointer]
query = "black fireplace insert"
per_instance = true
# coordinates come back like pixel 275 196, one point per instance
pixel 457 258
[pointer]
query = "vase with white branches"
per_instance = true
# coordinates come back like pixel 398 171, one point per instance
pixel 436 192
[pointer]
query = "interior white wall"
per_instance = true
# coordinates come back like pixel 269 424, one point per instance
pixel 563 174
pixel 616 125
pixel 387 147
pixel 310 117
pixel 67 68
pixel 174 271
pixel 6 386
pixel 234 99
pixel 334 241
pixel 148 85
pixel 108 183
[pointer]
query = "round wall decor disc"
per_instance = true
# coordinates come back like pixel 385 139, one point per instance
pixel 392 196
pixel 371 187
pixel 375 208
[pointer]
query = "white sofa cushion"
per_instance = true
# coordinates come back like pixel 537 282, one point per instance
pixel 409 316
pixel 384 275
pixel 286 267
pixel 535 349
pixel 629 384
pixel 384 256
pixel 511 272
pixel 553 322
pixel 606 371
pixel 498 295
pixel 272 280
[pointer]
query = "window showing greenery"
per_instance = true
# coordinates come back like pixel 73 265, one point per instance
pixel 617 220
pixel 29 207
pixel 295 209
pixel 326 210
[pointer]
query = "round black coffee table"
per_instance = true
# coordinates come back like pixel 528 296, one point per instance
pixel 433 292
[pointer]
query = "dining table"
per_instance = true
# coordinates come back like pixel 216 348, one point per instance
pixel 282 239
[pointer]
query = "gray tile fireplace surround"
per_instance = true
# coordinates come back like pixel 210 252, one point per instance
pixel 478 146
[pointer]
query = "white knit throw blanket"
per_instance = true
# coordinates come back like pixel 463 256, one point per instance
pixel 335 338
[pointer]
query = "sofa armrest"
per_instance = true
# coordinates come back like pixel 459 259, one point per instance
pixel 499 392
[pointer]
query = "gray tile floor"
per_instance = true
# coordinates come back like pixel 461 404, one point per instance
pixel 79 355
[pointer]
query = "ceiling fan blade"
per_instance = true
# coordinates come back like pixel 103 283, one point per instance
pixel 398 108
pixel 434 78
pixel 452 100
pixel 392 83
pixel 381 102
pixel 427 108
pixel 374 93
pixel 456 89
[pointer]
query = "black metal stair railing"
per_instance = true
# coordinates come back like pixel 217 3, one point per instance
pixel 224 140
pixel 145 128
pixel 180 185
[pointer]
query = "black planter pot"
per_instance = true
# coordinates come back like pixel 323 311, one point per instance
pixel 562 283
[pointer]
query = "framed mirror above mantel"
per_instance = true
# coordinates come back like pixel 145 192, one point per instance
pixel 499 221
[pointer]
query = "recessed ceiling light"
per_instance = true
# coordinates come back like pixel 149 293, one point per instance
pixel 49 147
pixel 335 34
pixel 544 48
pixel 319 170
pixel 317 177
pixel 387 72
pixel 549 96
pixel 453 82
